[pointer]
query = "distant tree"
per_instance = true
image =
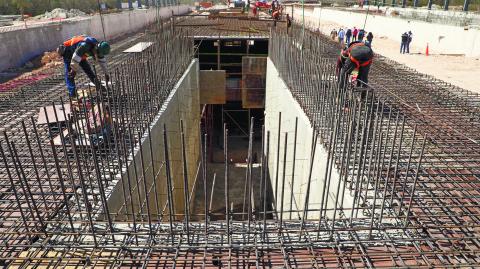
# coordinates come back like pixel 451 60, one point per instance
pixel 22 5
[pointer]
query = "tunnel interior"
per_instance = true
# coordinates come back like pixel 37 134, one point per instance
pixel 228 55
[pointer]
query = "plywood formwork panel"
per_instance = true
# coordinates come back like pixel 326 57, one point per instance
pixel 212 87
pixel 139 47
pixel 254 73
pixel 53 117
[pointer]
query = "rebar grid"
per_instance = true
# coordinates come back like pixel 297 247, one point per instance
pixel 205 27
pixel 404 147
pixel 69 182
pixel 56 214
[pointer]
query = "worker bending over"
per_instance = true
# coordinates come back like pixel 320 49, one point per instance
pixel 356 56
pixel 75 52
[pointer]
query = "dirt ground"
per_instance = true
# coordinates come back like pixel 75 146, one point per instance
pixel 457 70
pixel 36 69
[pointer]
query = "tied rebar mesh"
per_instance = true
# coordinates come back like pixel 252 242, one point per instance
pixel 67 169
pixel 406 210
pixel 405 147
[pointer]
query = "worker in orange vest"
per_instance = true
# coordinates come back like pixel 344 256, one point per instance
pixel 356 56
pixel 75 52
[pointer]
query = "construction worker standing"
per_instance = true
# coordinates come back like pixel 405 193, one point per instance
pixel 75 52
pixel 356 56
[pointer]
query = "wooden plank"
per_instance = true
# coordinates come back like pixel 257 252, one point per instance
pixel 212 87
pixel 104 84
pixel 42 118
pixel 139 47
pixel 57 141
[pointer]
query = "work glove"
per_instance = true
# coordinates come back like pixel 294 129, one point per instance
pixel 72 73
pixel 73 69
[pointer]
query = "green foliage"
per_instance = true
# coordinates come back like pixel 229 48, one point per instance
pixel 22 4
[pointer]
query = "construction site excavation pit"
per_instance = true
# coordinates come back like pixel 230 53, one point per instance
pixel 227 142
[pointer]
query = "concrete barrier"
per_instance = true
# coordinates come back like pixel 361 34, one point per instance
pixel 17 47
pixel 442 39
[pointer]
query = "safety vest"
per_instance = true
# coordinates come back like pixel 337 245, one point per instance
pixel 81 38
pixel 355 61
pixel 74 40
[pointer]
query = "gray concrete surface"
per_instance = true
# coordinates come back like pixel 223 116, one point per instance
pixel 183 103
pixel 216 193
pixel 279 99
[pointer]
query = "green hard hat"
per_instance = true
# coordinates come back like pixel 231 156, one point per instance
pixel 103 48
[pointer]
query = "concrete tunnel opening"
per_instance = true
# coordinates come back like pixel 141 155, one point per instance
pixel 254 91
pixel 233 79
pixel 241 63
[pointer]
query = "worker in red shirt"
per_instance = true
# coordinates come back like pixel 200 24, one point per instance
pixel 276 15
pixel 354 34
pixel 356 56
pixel 75 52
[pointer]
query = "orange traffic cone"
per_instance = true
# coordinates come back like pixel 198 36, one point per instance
pixel 426 50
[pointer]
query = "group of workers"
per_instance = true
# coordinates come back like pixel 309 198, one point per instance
pixel 406 39
pixel 348 35
pixel 356 55
pixel 274 9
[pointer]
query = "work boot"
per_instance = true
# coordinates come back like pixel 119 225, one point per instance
pixel 76 101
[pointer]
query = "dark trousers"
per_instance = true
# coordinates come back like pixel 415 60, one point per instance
pixel 347 69
pixel 363 76
pixel 403 47
pixel 408 47
pixel 70 81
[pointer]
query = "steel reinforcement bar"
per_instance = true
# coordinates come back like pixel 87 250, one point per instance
pixel 405 144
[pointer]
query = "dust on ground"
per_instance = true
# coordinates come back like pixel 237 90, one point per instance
pixel 457 70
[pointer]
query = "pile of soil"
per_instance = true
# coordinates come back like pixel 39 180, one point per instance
pixel 60 13
pixel 50 58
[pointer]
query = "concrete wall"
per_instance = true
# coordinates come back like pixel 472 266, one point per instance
pixel 442 39
pixel 17 47
pixel 183 103
pixel 279 99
